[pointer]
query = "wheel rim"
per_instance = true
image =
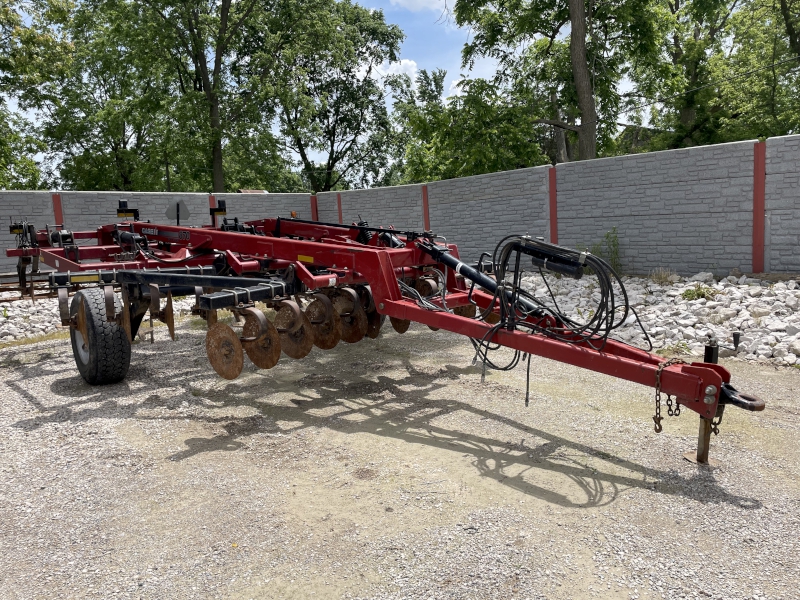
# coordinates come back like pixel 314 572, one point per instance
pixel 81 347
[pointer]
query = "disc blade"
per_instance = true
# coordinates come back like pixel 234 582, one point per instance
pixel 224 351
pixel 400 325
pixel 295 344
pixel 326 324
pixel 169 316
pixel 468 310
pixel 265 351
pixel 374 323
pixel 353 317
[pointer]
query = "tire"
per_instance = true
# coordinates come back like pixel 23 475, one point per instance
pixel 106 357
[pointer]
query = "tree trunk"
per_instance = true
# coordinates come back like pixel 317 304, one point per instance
pixel 791 30
pixel 559 134
pixel 217 172
pixel 587 136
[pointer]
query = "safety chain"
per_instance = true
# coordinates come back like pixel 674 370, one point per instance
pixel 715 423
pixel 673 412
pixel 657 418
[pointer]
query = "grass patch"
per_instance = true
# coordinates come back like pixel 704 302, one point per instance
pixel 56 335
pixel 662 276
pixel 677 349
pixel 608 249
pixel 699 291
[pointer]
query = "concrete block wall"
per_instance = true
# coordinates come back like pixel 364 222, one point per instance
pixel 85 211
pixel 251 207
pixel 399 206
pixel 476 212
pixel 327 207
pixel 688 210
pixel 37 207
pixel 782 224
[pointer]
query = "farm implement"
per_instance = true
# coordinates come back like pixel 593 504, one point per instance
pixel 328 283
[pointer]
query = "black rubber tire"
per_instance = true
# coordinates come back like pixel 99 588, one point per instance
pixel 106 357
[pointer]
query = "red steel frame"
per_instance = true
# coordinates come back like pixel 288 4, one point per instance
pixel 347 261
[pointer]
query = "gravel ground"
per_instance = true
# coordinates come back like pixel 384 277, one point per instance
pixel 384 469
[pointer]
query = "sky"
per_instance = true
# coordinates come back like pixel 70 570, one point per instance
pixel 433 41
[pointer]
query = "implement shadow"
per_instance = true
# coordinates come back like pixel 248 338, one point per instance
pixel 404 408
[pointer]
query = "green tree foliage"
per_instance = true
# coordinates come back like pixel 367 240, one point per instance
pixel 18 168
pixel 481 130
pixel 569 56
pixel 288 95
pixel 331 97
pixel 725 70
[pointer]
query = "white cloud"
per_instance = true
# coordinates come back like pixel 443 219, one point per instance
pixel 418 5
pixel 405 65
pixel 454 89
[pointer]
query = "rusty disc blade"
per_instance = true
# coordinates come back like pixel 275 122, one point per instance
pixel 468 310
pixel 374 323
pixel 326 323
pixel 400 325
pixel 224 351
pixel 427 286
pixel 265 351
pixel 169 316
pixel 353 317
pixel 492 318
pixel 295 344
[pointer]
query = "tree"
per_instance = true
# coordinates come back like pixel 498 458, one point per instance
pixel 482 130
pixel 791 20
pixel 331 96
pixel 18 168
pixel 605 40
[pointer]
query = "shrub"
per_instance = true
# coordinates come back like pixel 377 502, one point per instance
pixel 608 249
pixel 699 291
pixel 662 276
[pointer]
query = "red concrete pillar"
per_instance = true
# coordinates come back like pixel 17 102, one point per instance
pixel 58 211
pixel 314 208
pixel 553 207
pixel 426 215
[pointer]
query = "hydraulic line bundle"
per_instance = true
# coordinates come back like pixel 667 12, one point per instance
pixel 328 282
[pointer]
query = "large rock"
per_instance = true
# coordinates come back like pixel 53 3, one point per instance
pixel 759 310
pixel 794 347
pixel 724 314
pixel 704 277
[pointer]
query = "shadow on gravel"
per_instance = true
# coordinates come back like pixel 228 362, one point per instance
pixel 401 408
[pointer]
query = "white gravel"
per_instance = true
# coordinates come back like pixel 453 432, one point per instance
pixel 766 314
pixel 385 470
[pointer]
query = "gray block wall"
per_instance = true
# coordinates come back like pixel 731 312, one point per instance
pixel 84 211
pixel 782 235
pixel 37 207
pixel 251 207
pixel 688 210
pixel 399 206
pixel 328 207
pixel 476 212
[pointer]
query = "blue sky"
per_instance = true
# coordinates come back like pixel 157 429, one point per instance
pixel 432 39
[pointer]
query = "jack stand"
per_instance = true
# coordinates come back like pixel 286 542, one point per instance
pixel 706 426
